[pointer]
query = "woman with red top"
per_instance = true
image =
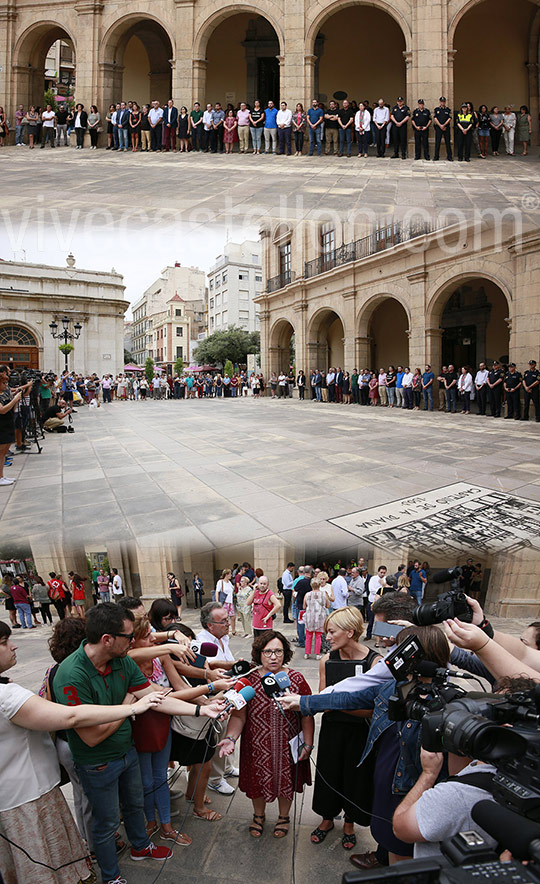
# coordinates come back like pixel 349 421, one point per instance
pixel 299 121
pixel 78 595
pixel 229 127
pixel 264 605
pixel 373 389
pixel 267 769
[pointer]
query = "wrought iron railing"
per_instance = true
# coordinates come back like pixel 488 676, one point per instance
pixel 279 282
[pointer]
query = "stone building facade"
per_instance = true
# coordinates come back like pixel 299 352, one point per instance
pixel 460 294
pixel 193 50
pixel 33 295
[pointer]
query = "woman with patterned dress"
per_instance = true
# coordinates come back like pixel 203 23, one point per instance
pixel 267 769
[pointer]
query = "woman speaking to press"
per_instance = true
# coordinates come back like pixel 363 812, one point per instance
pixel 33 812
pixel 267 769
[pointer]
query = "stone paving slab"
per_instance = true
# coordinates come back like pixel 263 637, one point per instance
pixel 291 466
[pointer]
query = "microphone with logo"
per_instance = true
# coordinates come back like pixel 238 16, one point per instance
pixel 235 699
pixel 276 685
pixel 202 650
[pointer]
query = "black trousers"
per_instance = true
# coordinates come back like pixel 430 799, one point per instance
pixel 284 139
pixel 45 611
pixel 439 135
pixel 155 137
pixel 400 140
pixel 481 398
pixel 421 142
pixel 79 132
pixel 534 397
pixel 287 598
pixel 495 399
pixel 464 141
pixel 381 140
pixel 60 606
pixel 513 404
pixel 93 137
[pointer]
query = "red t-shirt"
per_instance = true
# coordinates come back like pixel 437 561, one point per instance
pixel 19 594
pixel 56 589
pixel 78 591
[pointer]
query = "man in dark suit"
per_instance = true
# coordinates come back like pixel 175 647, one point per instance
pixel 122 123
pixel 170 125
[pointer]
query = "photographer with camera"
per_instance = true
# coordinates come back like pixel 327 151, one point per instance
pixel 54 416
pixel 9 400
pixel 433 812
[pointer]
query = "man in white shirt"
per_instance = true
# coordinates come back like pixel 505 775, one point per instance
pixel 207 126
pixel 407 389
pixel 340 589
pixel 377 582
pixel 118 589
pixel 284 124
pixel 381 116
pixel 215 629
pixel 331 384
pixel 480 383
pixel 287 580
pixel 155 118
pixel 48 131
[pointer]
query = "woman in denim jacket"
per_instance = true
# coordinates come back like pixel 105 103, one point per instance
pixel 396 746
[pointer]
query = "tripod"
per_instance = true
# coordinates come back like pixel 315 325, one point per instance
pixel 32 428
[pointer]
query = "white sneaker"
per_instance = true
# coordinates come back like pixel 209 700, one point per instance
pixel 233 772
pixel 222 787
pixel 5 481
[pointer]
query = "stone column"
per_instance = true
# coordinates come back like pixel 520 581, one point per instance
pixel 524 320
pixel 182 65
pixel 300 309
pixel 267 353
pixel 433 347
pixel 199 67
pixel 86 60
pixel 11 96
pixel 362 351
pixel 416 331
pixel 111 78
pixel 449 94
pixel 534 97
pixel 310 86
pixel 349 340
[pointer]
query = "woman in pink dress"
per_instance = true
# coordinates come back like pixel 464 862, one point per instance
pixel 267 768
pixel 229 128
pixel 374 389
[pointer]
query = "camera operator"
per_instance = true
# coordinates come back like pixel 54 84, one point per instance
pixel 54 416
pixel 46 393
pixel 433 812
pixel 395 746
pixel 9 399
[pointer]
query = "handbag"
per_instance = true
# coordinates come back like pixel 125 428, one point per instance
pixel 151 731
pixel 222 595
pixel 189 726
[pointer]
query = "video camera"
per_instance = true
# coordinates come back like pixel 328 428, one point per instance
pixel 474 726
pixel 449 604
pixel 414 699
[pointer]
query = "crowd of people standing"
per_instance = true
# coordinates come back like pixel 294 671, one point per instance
pixel 334 128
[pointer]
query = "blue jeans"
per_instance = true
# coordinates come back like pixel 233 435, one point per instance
pixel 116 136
pixel 417 594
pixel 300 628
pixel 315 138
pixel 25 614
pixel 19 134
pixel 345 137
pixel 123 139
pixel 256 136
pixel 109 787
pixel 451 400
pixel 104 596
pixel 428 399
pixel 154 779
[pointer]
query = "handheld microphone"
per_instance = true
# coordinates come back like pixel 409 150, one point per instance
pixel 241 683
pixel 275 685
pixel 237 699
pixel 241 667
pixel 516 833
pixel 283 681
pixel 207 649
pixel 429 669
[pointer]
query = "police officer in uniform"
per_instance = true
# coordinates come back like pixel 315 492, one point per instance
pixel 442 120
pixel 512 387
pixel 421 120
pixel 495 382
pixel 400 115
pixel 531 382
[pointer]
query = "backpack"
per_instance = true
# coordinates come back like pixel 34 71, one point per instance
pixel 280 584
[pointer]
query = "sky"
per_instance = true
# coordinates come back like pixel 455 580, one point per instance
pixel 138 254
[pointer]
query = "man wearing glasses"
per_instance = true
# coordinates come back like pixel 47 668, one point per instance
pixel 101 672
pixel 215 629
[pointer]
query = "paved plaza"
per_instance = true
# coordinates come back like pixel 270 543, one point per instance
pixel 214 472
pixel 203 188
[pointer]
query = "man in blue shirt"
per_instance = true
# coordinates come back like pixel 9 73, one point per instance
pixel 399 386
pixel 427 387
pixel 418 582
pixel 315 116
pixel 218 115
pixel 270 128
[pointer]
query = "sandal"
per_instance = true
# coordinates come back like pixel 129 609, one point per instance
pixel 177 837
pixel 210 816
pixel 348 841
pixel 318 835
pixel 256 828
pixel 281 829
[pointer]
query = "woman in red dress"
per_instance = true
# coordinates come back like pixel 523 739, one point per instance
pixel 267 769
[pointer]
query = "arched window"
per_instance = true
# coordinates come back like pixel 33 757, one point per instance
pixel 13 334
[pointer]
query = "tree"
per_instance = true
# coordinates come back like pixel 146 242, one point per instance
pixel 228 368
pixel 233 343
pixel 149 369
pixel 178 366
pixel 49 97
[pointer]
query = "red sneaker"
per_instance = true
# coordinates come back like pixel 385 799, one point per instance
pixel 151 852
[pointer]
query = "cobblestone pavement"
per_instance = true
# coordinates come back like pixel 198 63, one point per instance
pixel 218 472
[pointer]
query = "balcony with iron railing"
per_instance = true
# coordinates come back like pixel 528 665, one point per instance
pixel 381 239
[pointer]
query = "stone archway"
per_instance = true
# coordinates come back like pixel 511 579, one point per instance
pixel 471 318
pixel 136 58
pixel 29 60
pixel 340 71
pixel 383 329
pixel 18 347
pixel 237 58
pixel 326 340
pixel 282 346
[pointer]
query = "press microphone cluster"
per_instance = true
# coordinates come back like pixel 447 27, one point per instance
pixel 429 669
pixel 275 684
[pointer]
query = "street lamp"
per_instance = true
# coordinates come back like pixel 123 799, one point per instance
pixel 65 335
